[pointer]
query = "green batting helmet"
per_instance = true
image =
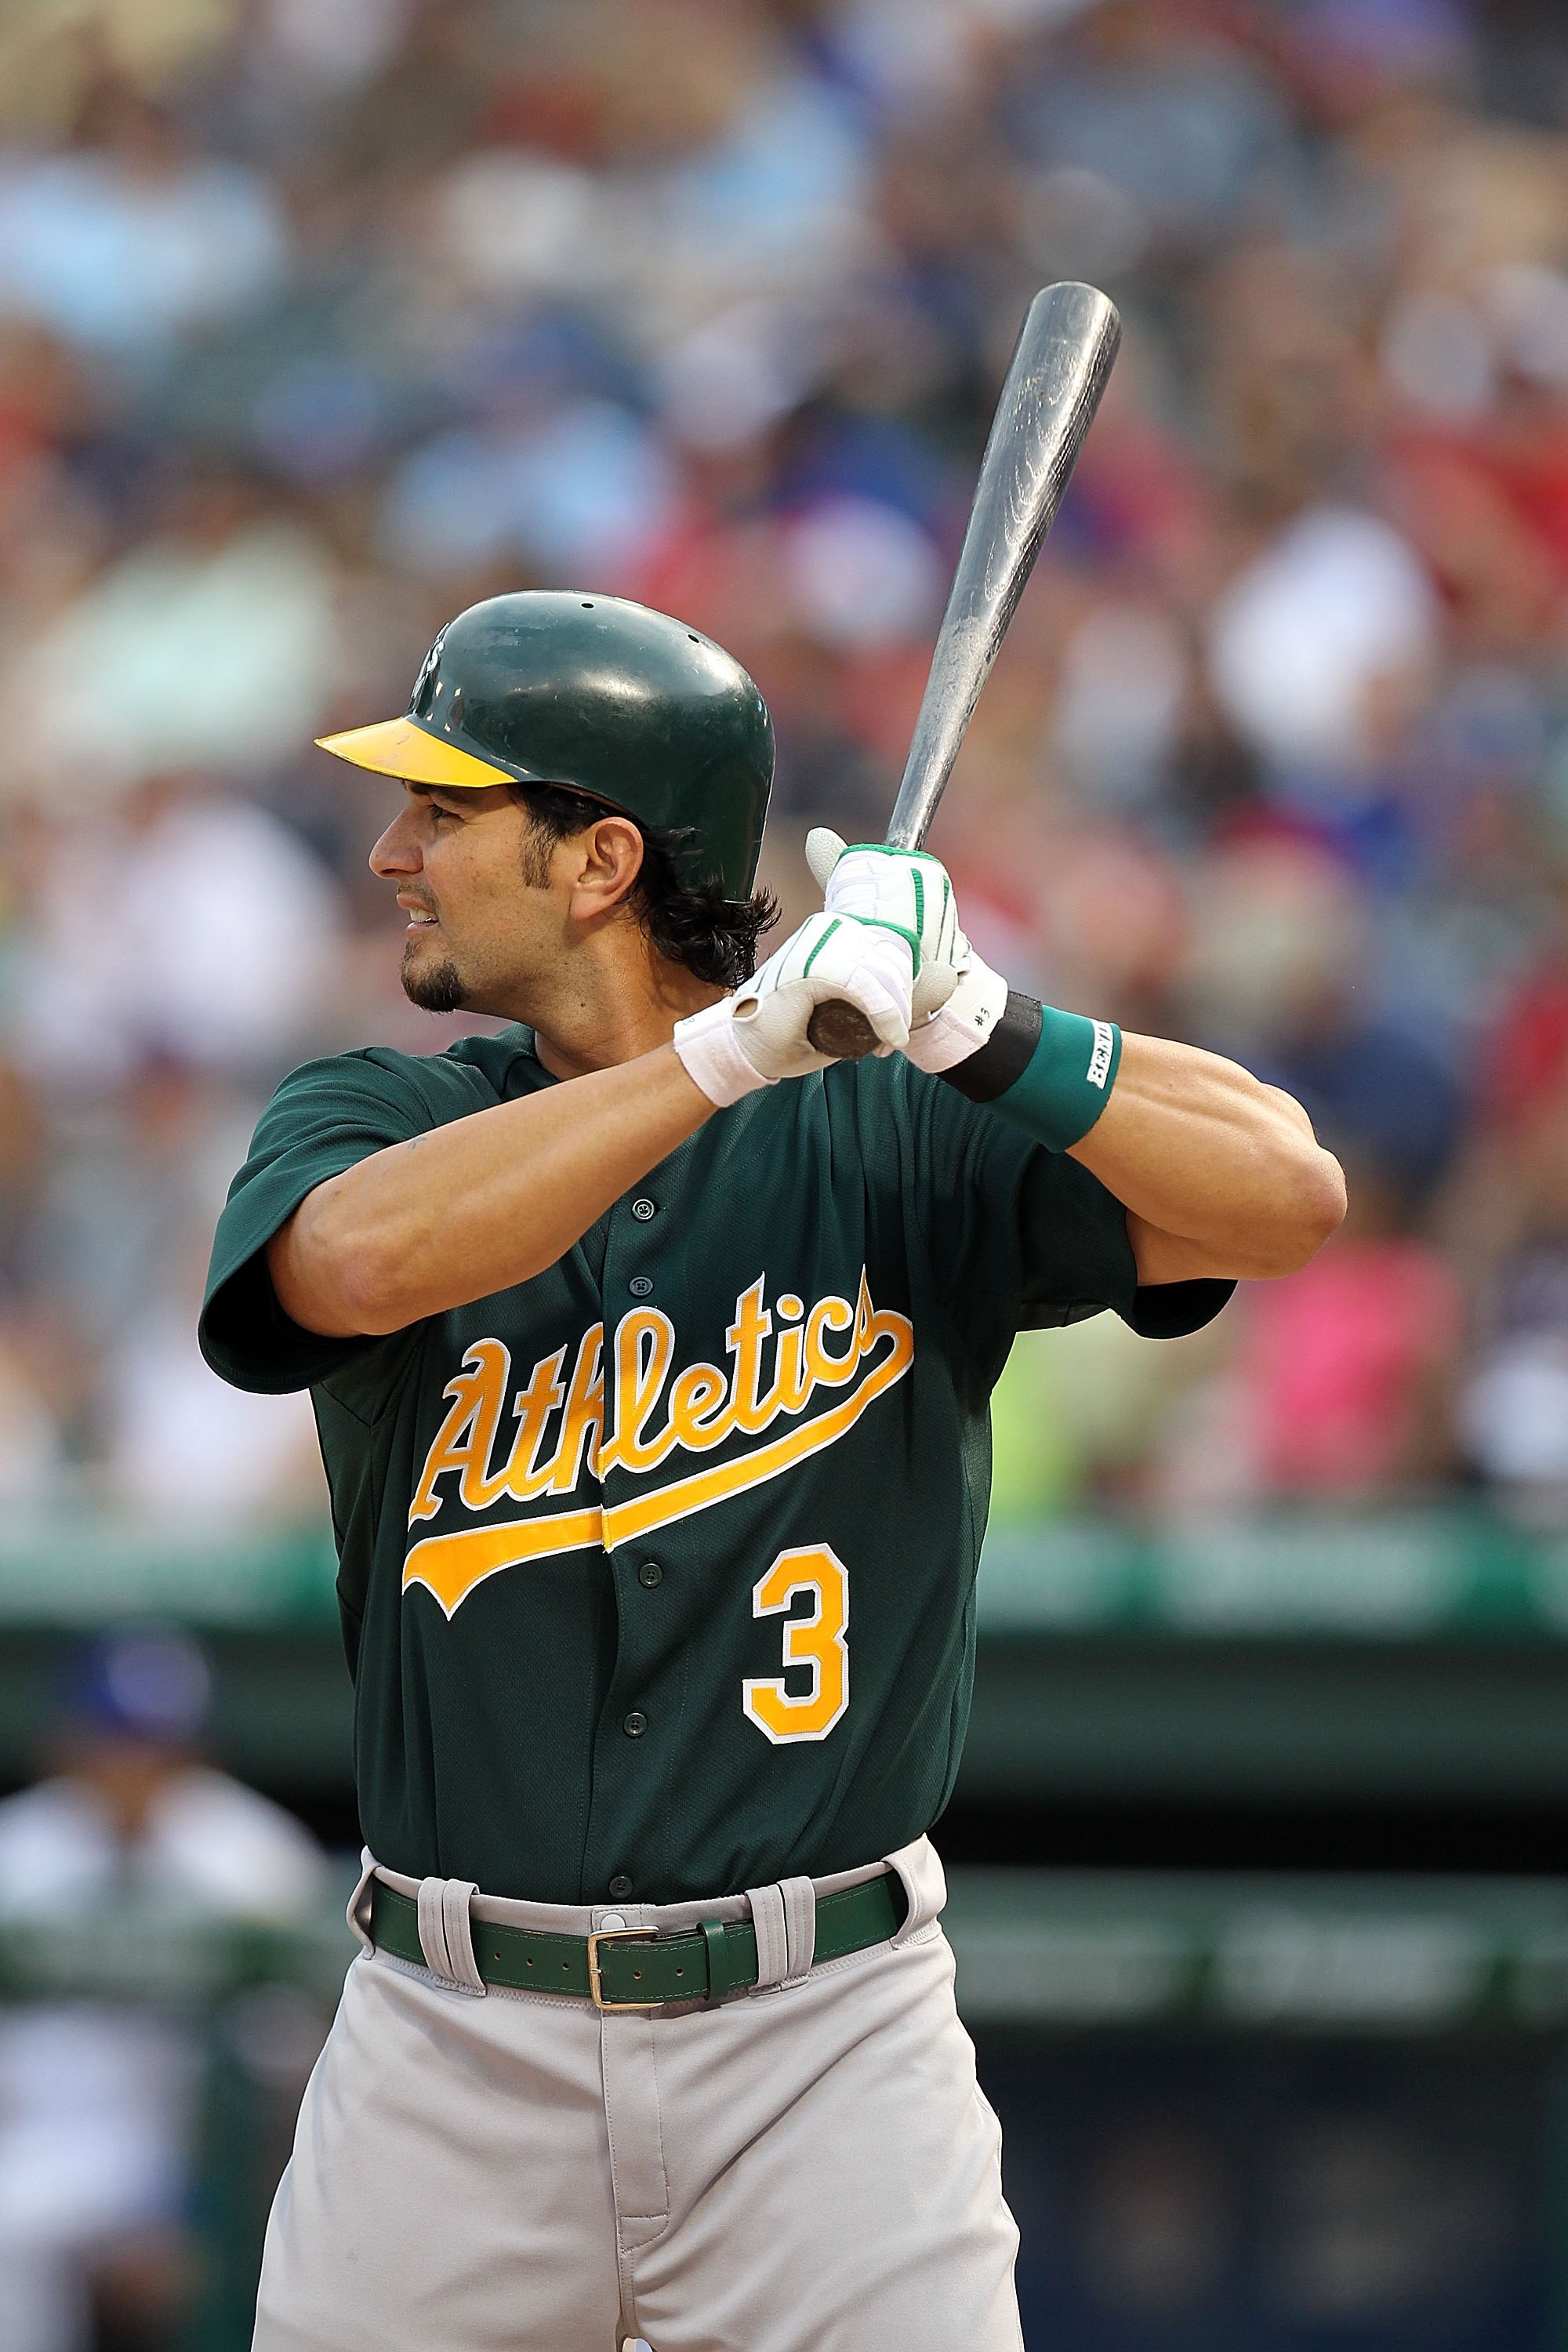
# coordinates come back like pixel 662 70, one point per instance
pixel 552 686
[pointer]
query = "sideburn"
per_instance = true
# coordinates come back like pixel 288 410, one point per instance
pixel 534 855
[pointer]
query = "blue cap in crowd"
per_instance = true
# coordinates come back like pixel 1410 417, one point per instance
pixel 150 1684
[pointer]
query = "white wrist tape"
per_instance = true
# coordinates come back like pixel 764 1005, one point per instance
pixel 710 1053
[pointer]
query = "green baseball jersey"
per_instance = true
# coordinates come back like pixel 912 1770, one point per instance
pixel 657 1570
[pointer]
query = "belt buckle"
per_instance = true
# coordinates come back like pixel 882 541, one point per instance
pixel 595 1986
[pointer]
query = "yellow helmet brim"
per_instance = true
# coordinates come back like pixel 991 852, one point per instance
pixel 398 747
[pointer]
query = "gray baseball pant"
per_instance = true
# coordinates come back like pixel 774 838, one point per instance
pixel 810 2168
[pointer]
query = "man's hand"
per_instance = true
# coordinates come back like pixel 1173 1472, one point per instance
pixel 957 999
pixel 759 1035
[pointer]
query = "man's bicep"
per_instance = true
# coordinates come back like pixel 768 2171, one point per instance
pixel 1169 1257
pixel 1085 1252
pixel 305 1282
pixel 1029 1239
pixel 324 1120
pixel 1074 1241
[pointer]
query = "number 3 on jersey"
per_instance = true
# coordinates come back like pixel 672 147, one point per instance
pixel 816 1642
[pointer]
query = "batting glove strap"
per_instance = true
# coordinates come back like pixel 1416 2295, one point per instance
pixel 711 1054
pixel 760 1034
pixel 1049 1073
pixel 964 1026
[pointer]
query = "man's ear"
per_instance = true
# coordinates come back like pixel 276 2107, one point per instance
pixel 611 854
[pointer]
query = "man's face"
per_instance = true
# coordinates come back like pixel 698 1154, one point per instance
pixel 483 917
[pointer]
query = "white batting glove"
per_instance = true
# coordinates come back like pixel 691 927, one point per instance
pixel 758 1035
pixel 957 999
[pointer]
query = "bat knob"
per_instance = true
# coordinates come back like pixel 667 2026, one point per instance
pixel 841 1030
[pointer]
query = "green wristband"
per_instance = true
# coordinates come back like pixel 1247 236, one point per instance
pixel 1066 1081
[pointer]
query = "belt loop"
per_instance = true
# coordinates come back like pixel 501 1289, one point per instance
pixel 358 1901
pixel 800 1926
pixel 457 1893
pixel 443 1923
pixel 772 1933
pixel 920 1866
pixel 712 1934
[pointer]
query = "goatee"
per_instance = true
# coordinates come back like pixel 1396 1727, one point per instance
pixel 435 988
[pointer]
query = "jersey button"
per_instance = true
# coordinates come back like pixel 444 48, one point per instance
pixel 650 1574
pixel 643 1208
pixel 621 1887
pixel 641 1286
pixel 634 1724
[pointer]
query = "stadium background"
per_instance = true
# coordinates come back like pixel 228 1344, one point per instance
pixel 318 322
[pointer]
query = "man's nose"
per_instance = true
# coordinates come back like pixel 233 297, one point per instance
pixel 398 851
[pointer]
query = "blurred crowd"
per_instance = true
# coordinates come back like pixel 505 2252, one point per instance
pixel 318 323
pixel 131 1834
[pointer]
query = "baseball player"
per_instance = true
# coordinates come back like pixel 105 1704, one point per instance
pixel 651 1355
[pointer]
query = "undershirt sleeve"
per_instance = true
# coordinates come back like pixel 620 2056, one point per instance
pixel 325 1118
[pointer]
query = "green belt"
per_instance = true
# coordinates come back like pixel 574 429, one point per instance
pixel 637 1968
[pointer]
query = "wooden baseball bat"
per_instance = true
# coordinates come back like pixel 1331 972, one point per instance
pixel 1060 364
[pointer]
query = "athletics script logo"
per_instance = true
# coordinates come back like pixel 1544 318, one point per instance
pixel 780 1360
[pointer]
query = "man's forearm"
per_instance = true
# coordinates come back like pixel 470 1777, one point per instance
pixel 1221 1173
pixel 481 1204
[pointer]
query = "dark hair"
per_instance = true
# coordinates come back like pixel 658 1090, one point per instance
pixel 694 924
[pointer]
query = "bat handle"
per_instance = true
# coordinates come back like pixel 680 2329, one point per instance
pixel 841 1030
